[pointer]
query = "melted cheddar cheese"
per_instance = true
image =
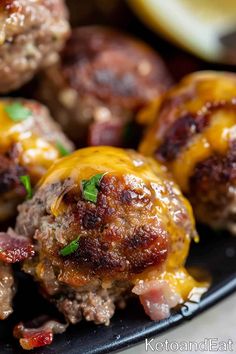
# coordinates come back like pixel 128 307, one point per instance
pixel 182 283
pixel 87 162
pixel 193 97
pixel 214 139
pixel 33 151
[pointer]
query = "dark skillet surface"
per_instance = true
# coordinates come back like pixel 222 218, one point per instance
pixel 216 253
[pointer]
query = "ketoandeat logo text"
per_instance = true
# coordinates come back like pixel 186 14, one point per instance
pixel 206 345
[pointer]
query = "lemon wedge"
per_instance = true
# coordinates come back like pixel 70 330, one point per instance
pixel 200 26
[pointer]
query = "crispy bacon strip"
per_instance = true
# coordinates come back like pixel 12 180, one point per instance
pixel 40 335
pixel 14 248
pixel 157 298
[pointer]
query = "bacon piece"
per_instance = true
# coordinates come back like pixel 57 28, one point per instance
pixel 36 340
pixel 42 334
pixel 14 248
pixel 157 298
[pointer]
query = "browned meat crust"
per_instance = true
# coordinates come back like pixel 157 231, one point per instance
pixel 76 301
pixel 103 79
pixel 111 66
pixel 186 127
pixel 31 35
pixel 132 253
pixel 118 242
pixel 213 190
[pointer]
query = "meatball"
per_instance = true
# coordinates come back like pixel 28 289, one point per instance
pixel 194 134
pixel 104 77
pixel 31 35
pixel 29 143
pixel 108 223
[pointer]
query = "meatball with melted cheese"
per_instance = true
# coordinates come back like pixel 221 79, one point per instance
pixel 29 143
pixel 103 79
pixel 194 134
pixel 108 223
pixel 31 35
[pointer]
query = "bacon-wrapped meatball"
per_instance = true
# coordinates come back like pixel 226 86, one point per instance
pixel 29 143
pixel 31 35
pixel 108 222
pixel 194 134
pixel 103 79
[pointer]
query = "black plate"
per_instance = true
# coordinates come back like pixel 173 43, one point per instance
pixel 216 253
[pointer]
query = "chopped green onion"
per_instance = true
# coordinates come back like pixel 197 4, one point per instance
pixel 25 180
pixel 17 112
pixel 62 149
pixel 70 248
pixel 90 188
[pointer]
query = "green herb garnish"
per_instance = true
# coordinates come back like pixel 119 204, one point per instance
pixel 90 188
pixel 71 248
pixel 17 112
pixel 25 180
pixel 62 149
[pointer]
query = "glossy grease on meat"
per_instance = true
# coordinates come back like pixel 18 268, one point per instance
pixel 194 134
pixel 103 79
